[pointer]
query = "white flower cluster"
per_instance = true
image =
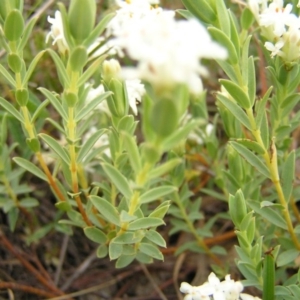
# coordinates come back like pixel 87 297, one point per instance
pixel 167 51
pixel 216 289
pixel 279 26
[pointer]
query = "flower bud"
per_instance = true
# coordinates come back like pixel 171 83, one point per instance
pixel 117 103
pixel 110 69
pixel 78 58
pixel 14 25
pixel 82 16
pixel 22 97
pixel 14 62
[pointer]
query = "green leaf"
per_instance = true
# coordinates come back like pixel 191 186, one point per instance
pixel 251 80
pixel 252 159
pixel 108 211
pixel 235 110
pixel 9 108
pixel 126 217
pixel 26 33
pixel 29 202
pixel 114 250
pixel 260 107
pixel 13 216
pixel 102 251
pixel 223 17
pixel 62 72
pixel 95 234
pixel 286 257
pixel 157 193
pixel 161 210
pixel 175 138
pixel 32 67
pixel 30 167
pixel 55 102
pixel 288 176
pixel 56 147
pixel 185 13
pixel 268 277
pixel 128 238
pixel 237 93
pixel 164 168
pixel 117 179
pixel 151 250
pixel 39 110
pixel 144 223
pixel 224 40
pixel 251 145
pixel 155 238
pixel 91 106
pixel 90 71
pixel 98 30
pixel 269 214
pixel 201 10
pixel 124 260
pixel 88 145
pixel 133 152
pixel 237 208
pixel 7 76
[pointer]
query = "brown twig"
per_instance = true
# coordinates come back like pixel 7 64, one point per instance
pixel 28 265
pixel 26 288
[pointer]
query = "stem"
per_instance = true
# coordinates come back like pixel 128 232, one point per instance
pixel 199 239
pixel 271 162
pixel 71 125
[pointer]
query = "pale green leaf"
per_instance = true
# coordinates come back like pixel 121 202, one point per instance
pixel 157 193
pixel 9 108
pixel 118 179
pixel 95 234
pixel 108 211
pixel 144 223
pixel 56 147
pixel 30 167
pixel 235 110
pixel 251 158
pixel 151 250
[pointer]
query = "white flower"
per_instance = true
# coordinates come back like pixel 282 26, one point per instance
pixel 135 90
pixel 57 32
pixel 215 289
pixel 167 51
pixel 275 49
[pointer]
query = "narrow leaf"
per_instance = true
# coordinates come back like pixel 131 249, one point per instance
pixel 30 167
pixel 164 168
pixel 91 106
pixel 133 152
pixel 151 250
pixel 7 76
pixel 157 193
pixel 235 110
pixel 288 176
pixel 252 159
pixel 108 211
pixel 9 108
pixel 144 223
pixel 118 179
pixel 95 234
pixel 55 102
pixel 237 93
pixel 88 145
pixel 62 72
pixel 26 33
pixel 32 67
pixel 56 147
